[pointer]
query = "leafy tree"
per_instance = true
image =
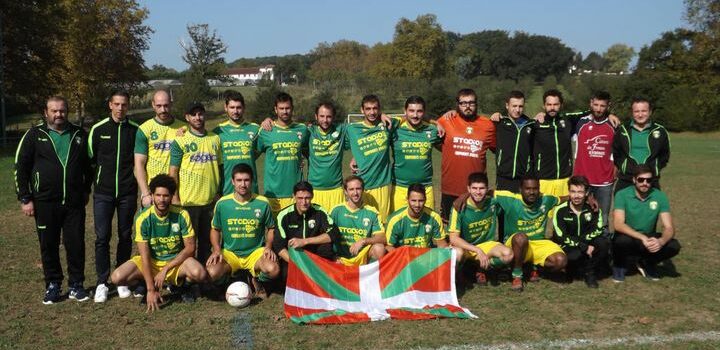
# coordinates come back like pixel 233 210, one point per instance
pixel 618 57
pixel 341 60
pixel 158 71
pixel 594 62
pixel 481 53
pixel 204 51
pixel 264 103
pixel 419 47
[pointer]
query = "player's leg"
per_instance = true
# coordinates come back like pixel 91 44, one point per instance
pixel 626 251
pixel 377 251
pixel 556 261
pixel 267 267
pixel 203 232
pixel 128 273
pixel 502 254
pixel 519 244
pixel 446 202
pixel 216 271
pixel 192 271
pixel 430 197
pixel 399 197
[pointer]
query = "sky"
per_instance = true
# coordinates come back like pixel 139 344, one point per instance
pixel 273 27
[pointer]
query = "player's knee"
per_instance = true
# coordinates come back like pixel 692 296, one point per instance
pixel 559 261
pixel 507 255
pixel 458 254
pixel 272 269
pixel 377 251
pixel 519 239
pixel 115 278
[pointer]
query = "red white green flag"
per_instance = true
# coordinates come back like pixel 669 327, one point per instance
pixel 408 283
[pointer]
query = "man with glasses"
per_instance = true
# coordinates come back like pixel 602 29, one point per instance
pixel 467 139
pixel 636 242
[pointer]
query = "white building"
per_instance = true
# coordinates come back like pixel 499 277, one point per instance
pixel 244 76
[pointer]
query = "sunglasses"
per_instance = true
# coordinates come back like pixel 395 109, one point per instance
pixel 643 179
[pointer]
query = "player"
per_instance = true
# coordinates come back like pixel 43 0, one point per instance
pixel 360 232
pixel 472 228
pixel 514 134
pixel 412 143
pixel 242 232
pixel 283 148
pixel 415 225
pixel 325 156
pixel 196 165
pixel 166 243
pixel 152 144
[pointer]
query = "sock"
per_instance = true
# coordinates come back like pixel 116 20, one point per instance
pixel 517 272
pixel 496 262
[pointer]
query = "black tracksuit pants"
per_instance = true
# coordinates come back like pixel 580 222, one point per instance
pixel 55 221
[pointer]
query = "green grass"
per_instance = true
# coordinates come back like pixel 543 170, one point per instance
pixel 544 311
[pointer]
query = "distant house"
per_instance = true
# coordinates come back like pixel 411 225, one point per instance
pixel 250 76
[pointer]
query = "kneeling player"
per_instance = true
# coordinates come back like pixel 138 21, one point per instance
pixel 415 225
pixel 243 226
pixel 166 242
pixel 525 216
pixel 472 228
pixel 360 232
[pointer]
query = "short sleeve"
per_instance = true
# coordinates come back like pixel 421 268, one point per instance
pixel 141 142
pixel 217 220
pixel 664 203
pixel 455 222
pixel 176 154
pixel 185 225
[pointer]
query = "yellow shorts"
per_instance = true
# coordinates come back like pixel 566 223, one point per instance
pixel 276 204
pixel 329 198
pixel 538 250
pixel 172 275
pixel 484 246
pixel 247 263
pixel 557 188
pixel 400 197
pixel 380 199
pixel 357 260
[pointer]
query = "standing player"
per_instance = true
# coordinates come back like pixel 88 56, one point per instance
pixel 593 153
pixel 152 144
pixel 196 165
pixel 360 232
pixel 468 136
pixel 369 142
pixel 514 143
pixel 578 230
pixel 110 148
pixel 415 225
pixel 640 141
pixel 326 156
pixel 525 216
pixel 283 147
pixel 166 244
pixel 412 143
pixel 238 138
pixel 242 232
pixel 472 228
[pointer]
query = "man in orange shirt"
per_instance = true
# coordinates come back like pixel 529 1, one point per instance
pixel 468 136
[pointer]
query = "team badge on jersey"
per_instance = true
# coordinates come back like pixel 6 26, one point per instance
pixel 175 227
pixel 656 134
pixel 588 216
pixel 311 223
pixel 251 134
pixel 653 205
pixel 542 208
pixel 469 130
pixel 528 130
pixel 299 134
pixel 257 213
pixel 428 228
pixel 562 123
pixel 428 134
pixel 366 222
pixel 78 140
pixel 335 134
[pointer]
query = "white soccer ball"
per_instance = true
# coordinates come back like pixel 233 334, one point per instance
pixel 238 294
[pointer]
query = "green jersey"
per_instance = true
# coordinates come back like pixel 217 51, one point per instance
pixel 522 218
pixel 243 224
pixel 61 141
pixel 476 224
pixel 283 148
pixel 642 214
pixel 164 234
pixel 640 147
pixel 412 152
pixel 369 145
pixel 422 232
pixel 326 155
pixel 199 159
pixel 354 225
pixel 238 143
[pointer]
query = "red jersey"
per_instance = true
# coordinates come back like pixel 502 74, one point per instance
pixel 463 151
pixel 593 153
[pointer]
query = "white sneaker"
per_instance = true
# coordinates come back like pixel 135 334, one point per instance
pixel 101 292
pixel 123 292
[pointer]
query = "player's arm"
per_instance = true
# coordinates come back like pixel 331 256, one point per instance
pixel 668 231
pixel 153 295
pixel 216 243
pixel 440 237
pixel 24 160
pixel 562 234
pixel 140 162
pixel 597 227
pixel 268 253
pixel 376 238
pixel 279 244
pixel 322 238
pixel 176 155
pixel 622 227
pixel 664 154
pixel 187 252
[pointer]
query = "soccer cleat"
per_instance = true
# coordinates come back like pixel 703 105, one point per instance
pixel 648 271
pixel 187 294
pixel 123 292
pixel 534 276
pixel 78 293
pixel 101 293
pixel 140 291
pixel 591 281
pixel 52 293
pixel 517 284
pixel 481 278
pixel 618 274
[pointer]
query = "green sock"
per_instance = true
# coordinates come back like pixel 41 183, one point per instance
pixel 496 262
pixel 517 272
pixel 263 277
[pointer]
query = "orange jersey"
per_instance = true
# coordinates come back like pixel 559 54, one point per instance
pixel 463 150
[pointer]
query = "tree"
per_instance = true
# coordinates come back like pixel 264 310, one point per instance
pixel 203 52
pixel 594 62
pixel 420 48
pixel 158 71
pixel 341 60
pixel 481 53
pixel 618 57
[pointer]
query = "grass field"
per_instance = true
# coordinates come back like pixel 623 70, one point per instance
pixel 544 312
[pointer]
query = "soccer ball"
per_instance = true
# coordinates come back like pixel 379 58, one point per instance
pixel 238 294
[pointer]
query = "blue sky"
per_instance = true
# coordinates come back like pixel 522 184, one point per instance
pixel 273 27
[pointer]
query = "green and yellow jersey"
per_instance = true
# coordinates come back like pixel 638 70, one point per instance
pixel 283 147
pixel 326 156
pixel 412 152
pixel 242 224
pixel 238 143
pixel 164 234
pixel 642 214
pixel 422 232
pixel 370 145
pixel 154 139
pixel 354 225
pixel 522 218
pixel 475 223
pixel 199 158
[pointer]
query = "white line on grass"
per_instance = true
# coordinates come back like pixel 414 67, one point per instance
pixel 603 342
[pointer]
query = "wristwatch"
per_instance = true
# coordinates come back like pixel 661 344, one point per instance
pixel 25 200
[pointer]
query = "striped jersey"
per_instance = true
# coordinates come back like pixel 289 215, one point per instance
pixel 154 139
pixel 164 234
pixel 199 158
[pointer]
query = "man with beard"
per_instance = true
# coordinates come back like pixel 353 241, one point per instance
pixel 467 138
pixel 325 155
pixel 415 225
pixel 636 241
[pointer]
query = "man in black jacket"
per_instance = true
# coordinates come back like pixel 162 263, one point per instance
pixel 53 178
pixel 640 141
pixel 578 230
pixel 110 148
pixel 514 135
